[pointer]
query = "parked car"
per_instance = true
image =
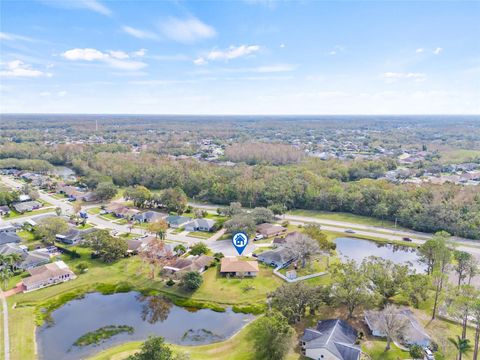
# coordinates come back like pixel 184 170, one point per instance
pixel 407 239
pixel 258 237
pixel 428 354
pixel 350 231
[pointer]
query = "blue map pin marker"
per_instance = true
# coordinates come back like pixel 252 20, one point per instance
pixel 240 241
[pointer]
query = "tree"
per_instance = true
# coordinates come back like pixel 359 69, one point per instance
pixel 159 228
pixel 140 195
pixel 262 215
pixel 386 278
pixel 441 260
pixel 427 254
pixel 462 304
pixel 108 248
pixel 192 280
pixel 156 255
pixel 180 249
pixel 235 208
pixel 416 288
pixel 350 286
pixel 292 300
pixel 272 336
pixel 49 227
pixel 462 345
pixel 473 269
pixel 199 249
pixel 303 247
pixel 58 211
pixel 105 191
pixel 462 262
pixel 240 223
pixel 476 321
pixel 154 348
pixel 174 200
pixel 315 232
pixel 416 352
pixel 277 209
pixel 391 324
pixel 5 274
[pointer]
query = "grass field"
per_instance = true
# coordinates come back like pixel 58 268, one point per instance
pixel 14 215
pixel 200 234
pixel 347 217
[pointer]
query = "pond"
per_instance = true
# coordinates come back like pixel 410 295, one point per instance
pixel 148 315
pixel 359 249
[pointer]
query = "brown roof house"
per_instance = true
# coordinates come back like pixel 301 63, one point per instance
pixel 193 263
pixel 268 230
pixel 47 275
pixel 236 267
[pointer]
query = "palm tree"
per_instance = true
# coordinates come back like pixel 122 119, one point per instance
pixel 5 275
pixel 462 345
pixel 13 259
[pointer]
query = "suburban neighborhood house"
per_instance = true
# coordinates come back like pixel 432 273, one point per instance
pixel 414 333
pixel 183 265
pixel 150 216
pixel 47 275
pixel 200 225
pixel 280 258
pixel 269 230
pixel 22 207
pixel 175 221
pixel 236 267
pixel 330 340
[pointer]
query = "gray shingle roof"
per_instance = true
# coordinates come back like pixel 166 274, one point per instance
pixel 336 336
pixel 9 237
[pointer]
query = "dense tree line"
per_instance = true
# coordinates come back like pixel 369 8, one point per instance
pixel 264 153
pixel 312 184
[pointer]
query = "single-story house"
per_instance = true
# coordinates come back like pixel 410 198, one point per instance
pixel 48 274
pixel 175 221
pixel 29 259
pixel 74 236
pixel 114 208
pixel 193 263
pixel 7 237
pixel 268 230
pixel 150 216
pixel 165 251
pixel 414 332
pixel 4 210
pixel 237 267
pixel 22 207
pixel 280 257
pixel 331 340
pixel 200 225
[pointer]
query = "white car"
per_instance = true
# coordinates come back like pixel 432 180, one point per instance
pixel 258 237
pixel 428 354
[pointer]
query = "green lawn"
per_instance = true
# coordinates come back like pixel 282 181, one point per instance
pixel 347 217
pixel 14 214
pixel 238 347
pixel 200 234
pixel 21 327
pixel 109 217
pixel 94 211
pixel 376 349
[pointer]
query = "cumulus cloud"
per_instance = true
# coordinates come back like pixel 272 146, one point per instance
pixel 139 34
pixel 232 52
pixel 437 51
pixel 420 50
pixel 186 30
pixel 117 59
pixel 18 68
pixel 391 77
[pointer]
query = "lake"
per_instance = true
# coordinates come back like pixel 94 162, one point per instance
pixel 152 315
pixel 359 249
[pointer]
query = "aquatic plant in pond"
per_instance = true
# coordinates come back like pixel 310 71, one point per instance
pixel 102 334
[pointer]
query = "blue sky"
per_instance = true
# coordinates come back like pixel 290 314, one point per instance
pixel 240 57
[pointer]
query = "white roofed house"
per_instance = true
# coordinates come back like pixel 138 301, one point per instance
pixel 200 225
pixel 47 275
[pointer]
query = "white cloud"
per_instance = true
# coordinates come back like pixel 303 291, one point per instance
pixel 140 34
pixel 13 37
pixel 232 52
pixel 282 46
pixel 276 68
pixel 117 59
pixel 140 53
pixel 18 68
pixel 437 51
pixel 92 5
pixel 420 50
pixel 336 50
pixel 391 77
pixel 186 30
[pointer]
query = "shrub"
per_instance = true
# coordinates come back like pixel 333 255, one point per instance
pixel 192 280
pixel 416 352
pixel 170 282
